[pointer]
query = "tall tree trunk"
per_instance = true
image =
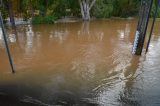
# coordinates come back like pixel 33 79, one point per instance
pixel 11 14
pixel 86 6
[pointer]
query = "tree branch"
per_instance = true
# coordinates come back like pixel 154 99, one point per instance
pixel 92 3
pixel 82 8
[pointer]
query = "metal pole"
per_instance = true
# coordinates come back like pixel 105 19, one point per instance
pixel 153 23
pixel 6 44
pixel 145 10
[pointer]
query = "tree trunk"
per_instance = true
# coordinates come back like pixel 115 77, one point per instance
pixel 86 6
pixel 11 14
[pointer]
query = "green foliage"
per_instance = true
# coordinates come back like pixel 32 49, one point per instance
pixel 155 4
pixel 118 8
pixel 45 11
pixel 64 5
pixel 126 8
pixel 103 9
pixel 43 20
pixel 4 14
pixel 4 11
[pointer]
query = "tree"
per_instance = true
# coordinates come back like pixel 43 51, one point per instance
pixel 103 8
pixel 11 13
pixel 126 8
pixel 86 6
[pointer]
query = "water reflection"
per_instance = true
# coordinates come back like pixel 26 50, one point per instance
pixel 130 91
pixel 29 50
pixel 123 34
pixel 60 36
pixel 83 63
pixel 90 34
pixel 12 38
pixel 112 85
pixel 1 38
pixel 30 35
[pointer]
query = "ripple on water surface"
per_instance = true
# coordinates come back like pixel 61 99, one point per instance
pixel 79 64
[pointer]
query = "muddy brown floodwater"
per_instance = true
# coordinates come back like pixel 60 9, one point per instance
pixel 79 64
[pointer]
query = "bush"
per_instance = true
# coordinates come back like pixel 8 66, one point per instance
pixel 126 8
pixel 155 4
pixel 103 9
pixel 43 19
pixel 4 14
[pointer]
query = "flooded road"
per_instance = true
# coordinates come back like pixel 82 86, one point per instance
pixel 79 64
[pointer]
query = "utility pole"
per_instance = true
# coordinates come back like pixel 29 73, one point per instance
pixel 5 40
pixel 144 13
pixel 153 23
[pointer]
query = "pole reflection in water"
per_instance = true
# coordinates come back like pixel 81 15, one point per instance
pixel 82 63
pixel 1 39
pixel 29 41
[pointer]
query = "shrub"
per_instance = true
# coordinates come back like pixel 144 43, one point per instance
pixel 103 9
pixel 43 19
pixel 126 8
pixel 4 14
